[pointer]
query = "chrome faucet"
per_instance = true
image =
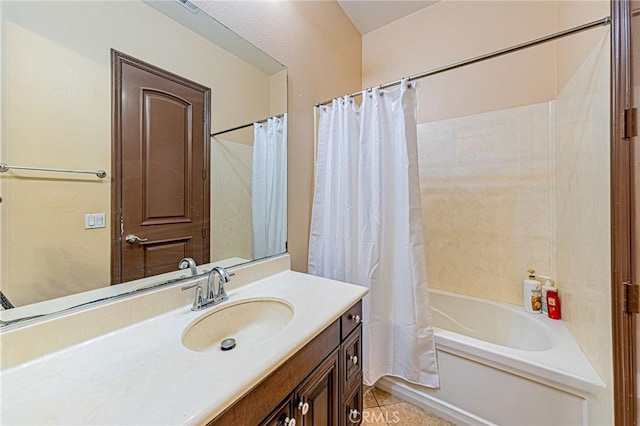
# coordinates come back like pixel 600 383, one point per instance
pixel 221 295
pixel 211 297
pixel 188 262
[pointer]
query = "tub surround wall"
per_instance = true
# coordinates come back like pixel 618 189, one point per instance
pixel 485 184
pixel 582 211
pixel 231 180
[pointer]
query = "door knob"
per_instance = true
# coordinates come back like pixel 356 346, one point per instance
pixel 134 239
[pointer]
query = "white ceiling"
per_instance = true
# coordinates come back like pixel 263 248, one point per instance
pixel 368 15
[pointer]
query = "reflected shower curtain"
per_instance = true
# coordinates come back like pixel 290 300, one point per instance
pixel 269 188
pixel 366 227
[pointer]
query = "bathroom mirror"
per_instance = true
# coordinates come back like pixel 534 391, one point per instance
pixel 59 231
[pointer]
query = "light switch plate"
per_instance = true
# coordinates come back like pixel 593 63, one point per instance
pixel 95 220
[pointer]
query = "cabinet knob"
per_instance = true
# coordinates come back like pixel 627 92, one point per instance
pixel 354 359
pixel 355 318
pixel 354 415
pixel 304 407
pixel 289 422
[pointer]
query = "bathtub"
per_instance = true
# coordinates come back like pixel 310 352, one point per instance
pixel 500 365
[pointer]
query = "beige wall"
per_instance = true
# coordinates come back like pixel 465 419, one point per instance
pixel 322 50
pixel 56 107
pixel 452 31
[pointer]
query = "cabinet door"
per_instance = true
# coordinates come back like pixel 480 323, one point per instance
pixel 281 416
pixel 352 405
pixel 317 401
pixel 351 352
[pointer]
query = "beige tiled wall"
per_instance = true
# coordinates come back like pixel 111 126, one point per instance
pixel 485 192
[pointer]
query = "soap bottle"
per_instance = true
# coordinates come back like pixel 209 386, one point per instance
pixel 532 295
pixel 553 303
pixel 545 288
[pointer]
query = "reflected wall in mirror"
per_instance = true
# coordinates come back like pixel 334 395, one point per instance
pixel 57 113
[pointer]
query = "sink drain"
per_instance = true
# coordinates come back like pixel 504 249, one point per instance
pixel 228 344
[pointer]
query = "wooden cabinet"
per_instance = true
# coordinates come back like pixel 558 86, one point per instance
pixel 317 399
pixel 351 367
pixel 352 406
pixel 282 416
pixel 321 385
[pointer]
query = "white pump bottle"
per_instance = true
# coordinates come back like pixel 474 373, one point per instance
pixel 531 294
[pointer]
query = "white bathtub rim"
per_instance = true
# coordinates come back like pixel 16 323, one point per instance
pixel 564 364
pixel 562 380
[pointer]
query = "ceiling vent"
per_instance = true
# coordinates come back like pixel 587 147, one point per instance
pixel 188 5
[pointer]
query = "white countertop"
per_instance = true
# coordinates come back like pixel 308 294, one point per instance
pixel 142 374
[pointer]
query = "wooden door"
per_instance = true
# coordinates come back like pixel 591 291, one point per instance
pixel 634 26
pixel 161 162
pixel 625 43
pixel 317 398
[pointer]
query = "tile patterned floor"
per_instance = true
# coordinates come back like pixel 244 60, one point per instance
pixel 382 408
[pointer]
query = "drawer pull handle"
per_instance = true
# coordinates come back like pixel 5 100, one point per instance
pixel 304 407
pixel 354 359
pixel 355 318
pixel 289 422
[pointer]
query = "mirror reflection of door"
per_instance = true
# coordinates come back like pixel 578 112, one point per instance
pixel 161 161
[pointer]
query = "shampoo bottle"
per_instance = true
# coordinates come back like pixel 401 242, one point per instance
pixel 553 304
pixel 545 288
pixel 532 295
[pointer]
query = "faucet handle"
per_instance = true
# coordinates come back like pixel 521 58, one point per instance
pixel 198 301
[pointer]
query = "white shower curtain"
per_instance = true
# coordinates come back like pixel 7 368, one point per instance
pixel 366 227
pixel 269 188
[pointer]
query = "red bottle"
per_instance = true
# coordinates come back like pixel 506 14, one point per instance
pixel 553 304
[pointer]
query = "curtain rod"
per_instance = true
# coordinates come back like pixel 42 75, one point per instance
pixel 600 22
pixel 264 120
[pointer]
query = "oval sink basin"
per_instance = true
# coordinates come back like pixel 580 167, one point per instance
pixel 248 322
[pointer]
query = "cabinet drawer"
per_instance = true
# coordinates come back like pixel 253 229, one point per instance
pixel 351 319
pixel 352 405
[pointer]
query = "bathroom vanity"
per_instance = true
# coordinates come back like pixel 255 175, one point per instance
pixel 130 361
pixel 320 385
